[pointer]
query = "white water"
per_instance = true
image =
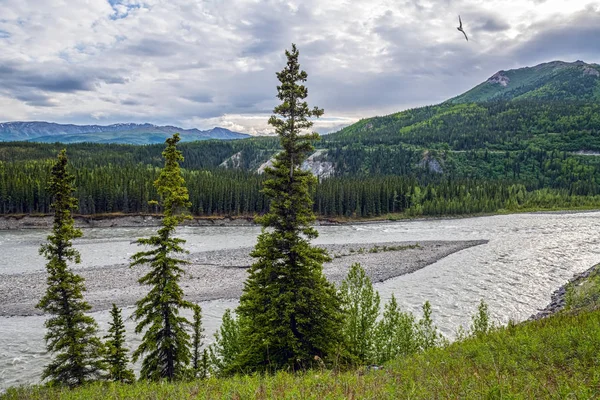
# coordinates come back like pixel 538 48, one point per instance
pixel 528 256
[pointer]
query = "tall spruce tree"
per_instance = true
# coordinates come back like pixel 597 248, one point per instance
pixel 166 342
pixel 71 335
pixel 116 353
pixel 289 312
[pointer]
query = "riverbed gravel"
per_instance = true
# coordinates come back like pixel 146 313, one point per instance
pixel 220 274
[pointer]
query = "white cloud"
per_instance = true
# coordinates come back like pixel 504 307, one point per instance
pixel 213 62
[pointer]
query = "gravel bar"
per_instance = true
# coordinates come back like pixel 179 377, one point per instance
pixel 220 274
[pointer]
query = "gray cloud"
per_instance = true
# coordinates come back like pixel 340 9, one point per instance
pixel 153 48
pixel 195 63
pixel 200 98
pixel 492 24
pixel 35 99
pixel 568 41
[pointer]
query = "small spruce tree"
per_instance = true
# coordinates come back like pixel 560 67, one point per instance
pixel 116 353
pixel 166 342
pixel 481 321
pixel 71 335
pixel 204 367
pixel 427 333
pixel 197 337
pixel 360 303
pixel 290 313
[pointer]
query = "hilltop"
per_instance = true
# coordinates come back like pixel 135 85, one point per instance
pixel 556 80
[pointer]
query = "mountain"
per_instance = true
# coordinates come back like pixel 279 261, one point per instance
pixel 554 106
pixel 47 132
pixel 556 80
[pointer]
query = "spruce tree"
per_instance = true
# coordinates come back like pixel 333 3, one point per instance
pixel 481 324
pixel 71 335
pixel 289 312
pixel 116 353
pixel 197 337
pixel 427 333
pixel 166 342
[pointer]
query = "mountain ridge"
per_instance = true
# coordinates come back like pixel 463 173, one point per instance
pixel 553 80
pixel 124 133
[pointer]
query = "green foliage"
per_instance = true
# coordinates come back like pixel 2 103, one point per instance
pixel 116 357
pixel 227 346
pixel 428 336
pixel 473 181
pixel 360 304
pixel 166 342
pixel 289 311
pixel 199 366
pixel 584 294
pixel 481 324
pixel 555 358
pixel 71 335
pixel 395 334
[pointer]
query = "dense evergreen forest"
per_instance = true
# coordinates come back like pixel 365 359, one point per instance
pixel 445 159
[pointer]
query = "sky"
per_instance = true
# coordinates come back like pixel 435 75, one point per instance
pixel 206 63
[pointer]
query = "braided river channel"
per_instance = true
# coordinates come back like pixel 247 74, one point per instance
pixel 526 258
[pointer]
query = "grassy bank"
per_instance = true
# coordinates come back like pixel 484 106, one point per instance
pixel 558 357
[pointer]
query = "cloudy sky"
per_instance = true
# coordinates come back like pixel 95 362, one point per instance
pixel 205 63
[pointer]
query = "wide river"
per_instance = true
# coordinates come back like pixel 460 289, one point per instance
pixel 528 256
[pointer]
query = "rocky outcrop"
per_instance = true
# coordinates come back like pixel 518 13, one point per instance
pixel 431 163
pixel 591 71
pixel 233 162
pixel 315 163
pixel 266 164
pixel 499 78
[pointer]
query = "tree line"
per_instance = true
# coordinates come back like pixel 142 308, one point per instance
pixel 114 189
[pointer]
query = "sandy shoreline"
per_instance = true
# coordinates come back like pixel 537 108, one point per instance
pixel 220 274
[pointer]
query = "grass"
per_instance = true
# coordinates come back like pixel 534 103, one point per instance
pixel 377 249
pixel 584 294
pixel 557 357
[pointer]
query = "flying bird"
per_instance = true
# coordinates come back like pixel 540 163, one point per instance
pixel 460 28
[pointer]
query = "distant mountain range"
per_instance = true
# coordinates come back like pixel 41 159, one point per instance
pixel 47 132
pixel 556 80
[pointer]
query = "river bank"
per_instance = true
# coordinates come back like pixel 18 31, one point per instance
pixel 220 274
pixel 119 220
pixel 558 298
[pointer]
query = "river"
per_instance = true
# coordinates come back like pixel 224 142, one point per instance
pixel 527 257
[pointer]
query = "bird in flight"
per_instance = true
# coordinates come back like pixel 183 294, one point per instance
pixel 460 28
